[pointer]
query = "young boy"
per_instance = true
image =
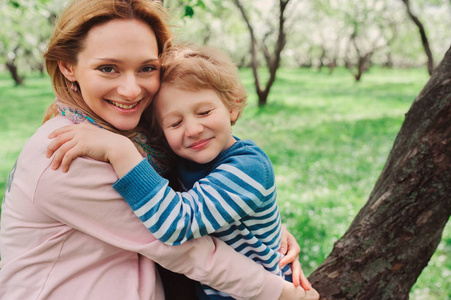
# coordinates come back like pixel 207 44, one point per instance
pixel 229 183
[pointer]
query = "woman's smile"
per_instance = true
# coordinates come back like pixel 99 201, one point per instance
pixel 124 106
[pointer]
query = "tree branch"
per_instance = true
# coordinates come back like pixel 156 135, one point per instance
pixel 424 39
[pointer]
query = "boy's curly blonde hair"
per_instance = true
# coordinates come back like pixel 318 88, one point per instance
pixel 192 67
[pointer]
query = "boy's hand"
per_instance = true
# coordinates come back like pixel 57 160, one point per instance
pixel 72 141
pixel 291 292
pixel 291 249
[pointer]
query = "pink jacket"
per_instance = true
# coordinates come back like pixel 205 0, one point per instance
pixel 71 236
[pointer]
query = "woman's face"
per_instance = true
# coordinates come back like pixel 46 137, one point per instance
pixel 118 71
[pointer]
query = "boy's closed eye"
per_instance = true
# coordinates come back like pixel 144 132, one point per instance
pixel 205 112
pixel 175 124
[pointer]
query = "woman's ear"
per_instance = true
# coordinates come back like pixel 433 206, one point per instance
pixel 68 70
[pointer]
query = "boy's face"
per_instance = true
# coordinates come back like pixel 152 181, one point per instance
pixel 197 124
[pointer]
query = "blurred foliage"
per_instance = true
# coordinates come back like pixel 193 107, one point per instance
pixel 327 137
pixel 26 26
pixel 318 30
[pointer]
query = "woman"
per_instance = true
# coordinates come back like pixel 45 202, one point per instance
pixel 69 235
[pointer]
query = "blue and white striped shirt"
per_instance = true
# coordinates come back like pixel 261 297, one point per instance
pixel 232 198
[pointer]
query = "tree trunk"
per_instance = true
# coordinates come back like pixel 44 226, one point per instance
pixel 254 63
pixel 272 61
pixel 424 39
pixel 12 68
pixel 363 59
pixel 395 234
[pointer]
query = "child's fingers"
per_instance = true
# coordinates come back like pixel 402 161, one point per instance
pixel 69 156
pixel 60 152
pixel 57 141
pixel 61 130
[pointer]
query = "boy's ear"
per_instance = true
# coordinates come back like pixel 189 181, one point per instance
pixel 68 70
pixel 233 115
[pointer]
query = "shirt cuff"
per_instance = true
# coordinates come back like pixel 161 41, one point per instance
pixel 271 287
pixel 138 183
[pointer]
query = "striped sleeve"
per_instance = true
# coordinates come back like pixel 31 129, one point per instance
pixel 226 195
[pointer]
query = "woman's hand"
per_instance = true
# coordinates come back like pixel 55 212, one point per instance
pixel 291 249
pixel 291 292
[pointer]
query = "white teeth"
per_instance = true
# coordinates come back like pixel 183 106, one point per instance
pixel 123 105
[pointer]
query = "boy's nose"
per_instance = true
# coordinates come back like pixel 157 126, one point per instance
pixel 193 129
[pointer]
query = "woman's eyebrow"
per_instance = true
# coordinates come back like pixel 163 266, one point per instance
pixel 115 60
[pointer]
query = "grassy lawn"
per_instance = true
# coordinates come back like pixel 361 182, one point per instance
pixel 327 136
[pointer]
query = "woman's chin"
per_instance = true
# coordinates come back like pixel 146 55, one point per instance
pixel 126 125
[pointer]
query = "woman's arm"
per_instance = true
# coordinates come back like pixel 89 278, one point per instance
pixel 89 204
pixel 76 140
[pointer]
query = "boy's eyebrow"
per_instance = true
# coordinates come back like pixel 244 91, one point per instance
pixel 170 114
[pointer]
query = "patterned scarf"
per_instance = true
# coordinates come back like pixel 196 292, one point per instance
pixel 77 117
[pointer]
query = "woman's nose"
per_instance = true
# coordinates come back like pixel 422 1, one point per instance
pixel 129 88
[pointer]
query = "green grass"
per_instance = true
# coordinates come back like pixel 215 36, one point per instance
pixel 327 136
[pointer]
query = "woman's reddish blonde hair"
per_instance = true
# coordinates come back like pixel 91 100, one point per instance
pixel 70 33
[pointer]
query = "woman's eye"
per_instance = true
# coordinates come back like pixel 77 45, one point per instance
pixel 107 69
pixel 148 69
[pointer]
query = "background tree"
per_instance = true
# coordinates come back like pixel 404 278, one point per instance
pixel 316 31
pixel 423 35
pixel 272 58
pixel 314 39
pixel 328 24
pixel 26 26
pixel 213 23
pixel 395 234
pixel 363 27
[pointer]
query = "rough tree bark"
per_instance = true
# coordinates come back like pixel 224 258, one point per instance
pixel 272 61
pixel 424 39
pixel 395 234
